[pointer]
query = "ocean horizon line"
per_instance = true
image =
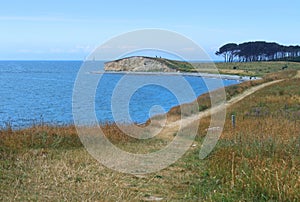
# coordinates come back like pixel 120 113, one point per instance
pixel 78 60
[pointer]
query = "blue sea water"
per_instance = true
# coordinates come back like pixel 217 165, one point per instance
pixel 34 91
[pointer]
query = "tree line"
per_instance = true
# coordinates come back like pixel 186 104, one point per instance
pixel 257 51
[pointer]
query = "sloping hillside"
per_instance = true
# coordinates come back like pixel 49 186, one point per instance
pixel 147 64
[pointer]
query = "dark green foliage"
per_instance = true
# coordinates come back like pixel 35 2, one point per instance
pixel 258 51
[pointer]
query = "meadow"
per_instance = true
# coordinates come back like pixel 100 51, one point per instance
pixel 258 160
pixel 257 69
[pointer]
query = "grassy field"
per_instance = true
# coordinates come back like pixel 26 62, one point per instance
pixel 259 160
pixel 247 69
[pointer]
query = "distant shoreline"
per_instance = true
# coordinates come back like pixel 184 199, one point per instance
pixel 205 75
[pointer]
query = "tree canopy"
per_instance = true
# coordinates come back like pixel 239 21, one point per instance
pixel 257 51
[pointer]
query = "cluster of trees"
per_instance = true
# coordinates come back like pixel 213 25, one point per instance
pixel 257 51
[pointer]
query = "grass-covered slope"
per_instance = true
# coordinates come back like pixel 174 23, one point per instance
pixel 259 160
pixel 177 65
pixel 248 68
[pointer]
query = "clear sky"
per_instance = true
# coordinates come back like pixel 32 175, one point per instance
pixel 71 29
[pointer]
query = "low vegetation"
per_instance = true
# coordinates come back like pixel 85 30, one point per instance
pixel 204 101
pixel 254 69
pixel 177 65
pixel 258 160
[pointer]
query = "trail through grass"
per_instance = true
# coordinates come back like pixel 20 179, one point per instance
pixel 259 160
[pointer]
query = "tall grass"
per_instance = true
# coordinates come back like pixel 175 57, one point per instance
pixel 204 101
pixel 259 160
pixel 53 137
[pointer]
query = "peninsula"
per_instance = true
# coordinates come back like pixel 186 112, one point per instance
pixel 147 64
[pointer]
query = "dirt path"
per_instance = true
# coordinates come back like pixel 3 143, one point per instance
pixel 173 127
pixel 298 74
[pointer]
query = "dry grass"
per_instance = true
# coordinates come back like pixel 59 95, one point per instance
pixel 259 160
pixel 204 101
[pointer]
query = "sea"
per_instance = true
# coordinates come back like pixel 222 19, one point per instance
pixel 34 92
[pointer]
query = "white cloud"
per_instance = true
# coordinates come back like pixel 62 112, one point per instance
pixel 59 50
pixel 39 19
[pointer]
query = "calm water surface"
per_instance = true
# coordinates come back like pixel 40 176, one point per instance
pixel 34 91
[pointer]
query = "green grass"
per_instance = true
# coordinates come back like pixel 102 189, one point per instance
pixel 290 59
pixel 177 65
pixel 265 146
pixel 256 69
pixel 248 68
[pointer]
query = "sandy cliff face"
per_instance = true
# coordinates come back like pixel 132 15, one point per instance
pixel 137 64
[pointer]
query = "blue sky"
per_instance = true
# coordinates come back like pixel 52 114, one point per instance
pixel 65 29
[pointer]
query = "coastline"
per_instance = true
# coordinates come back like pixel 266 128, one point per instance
pixel 205 75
